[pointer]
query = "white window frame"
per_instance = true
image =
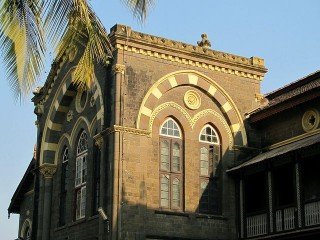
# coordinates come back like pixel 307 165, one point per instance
pixel 215 132
pixel 167 135
pixel 81 176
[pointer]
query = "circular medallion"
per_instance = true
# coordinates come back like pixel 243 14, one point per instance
pixel 192 100
pixel 81 100
pixel 310 120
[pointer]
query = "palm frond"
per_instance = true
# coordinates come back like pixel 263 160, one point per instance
pixel 84 31
pixel 22 43
pixel 139 7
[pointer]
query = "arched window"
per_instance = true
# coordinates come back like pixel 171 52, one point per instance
pixel 209 159
pixel 81 176
pixel 64 184
pixel 171 165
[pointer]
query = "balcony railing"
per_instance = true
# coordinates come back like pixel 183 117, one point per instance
pixel 257 225
pixel 285 219
pixel 312 213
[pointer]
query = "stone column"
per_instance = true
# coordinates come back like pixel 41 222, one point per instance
pixel 241 208
pixel 297 171
pixel 47 171
pixel 270 198
pixel 119 71
pixel 98 140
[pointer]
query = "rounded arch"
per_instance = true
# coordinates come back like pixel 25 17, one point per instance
pixel 196 79
pixel 81 124
pixel 26 229
pixel 49 144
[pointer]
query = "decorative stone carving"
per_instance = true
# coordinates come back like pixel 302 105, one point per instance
pixel 36 90
pixel 192 99
pixel 81 100
pixel 258 97
pixel 191 120
pixel 39 110
pixel 205 43
pixel 92 101
pixel 130 130
pixel 310 120
pixel 48 170
pixel 98 141
pixel 119 68
pixel 70 115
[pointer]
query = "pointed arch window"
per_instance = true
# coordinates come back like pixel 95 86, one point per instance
pixel 64 184
pixel 209 159
pixel 171 165
pixel 81 175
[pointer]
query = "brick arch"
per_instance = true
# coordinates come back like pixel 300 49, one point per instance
pixel 199 80
pixel 57 112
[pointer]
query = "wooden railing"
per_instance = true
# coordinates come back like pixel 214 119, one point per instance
pixel 312 213
pixel 285 219
pixel 257 225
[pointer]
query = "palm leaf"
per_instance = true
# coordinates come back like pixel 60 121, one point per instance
pixel 139 7
pixel 84 31
pixel 22 43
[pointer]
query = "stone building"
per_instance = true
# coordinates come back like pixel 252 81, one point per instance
pixel 174 141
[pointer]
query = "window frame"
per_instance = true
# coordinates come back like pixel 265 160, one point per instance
pixel 171 172
pixel 81 186
pixel 210 178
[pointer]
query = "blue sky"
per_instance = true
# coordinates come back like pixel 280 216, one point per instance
pixel 285 33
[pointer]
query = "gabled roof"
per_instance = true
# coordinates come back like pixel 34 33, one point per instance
pixel 22 188
pixel 295 93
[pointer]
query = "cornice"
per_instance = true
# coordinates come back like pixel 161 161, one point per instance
pixel 123 129
pixel 125 39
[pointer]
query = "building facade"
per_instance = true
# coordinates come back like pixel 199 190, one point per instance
pixel 163 147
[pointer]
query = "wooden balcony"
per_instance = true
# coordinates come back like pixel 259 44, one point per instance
pixel 285 219
pixel 312 213
pixel 257 225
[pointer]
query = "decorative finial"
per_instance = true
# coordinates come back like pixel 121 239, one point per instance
pixel 205 43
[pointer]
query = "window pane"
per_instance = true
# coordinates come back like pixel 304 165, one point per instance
pixel 165 155
pixel 78 203
pixel 204 161
pixel 176 157
pixel 176 193
pixel 78 171
pixel 82 143
pixel 84 169
pixel 209 135
pixel 170 128
pixel 83 202
pixel 204 196
pixel 165 191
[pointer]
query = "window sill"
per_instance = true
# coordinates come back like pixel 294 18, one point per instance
pixel 209 216
pixel 60 228
pixel 93 217
pixel 82 220
pixel 169 212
